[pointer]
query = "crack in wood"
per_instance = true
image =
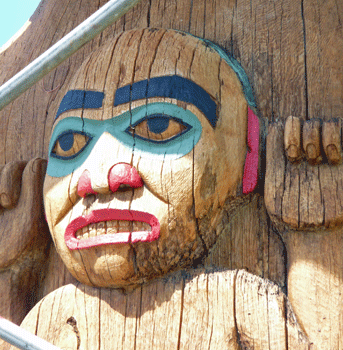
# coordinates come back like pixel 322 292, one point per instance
pixel 73 323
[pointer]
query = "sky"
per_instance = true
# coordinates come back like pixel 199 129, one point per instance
pixel 13 15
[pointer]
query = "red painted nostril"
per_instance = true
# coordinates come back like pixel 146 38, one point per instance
pixel 123 174
pixel 84 185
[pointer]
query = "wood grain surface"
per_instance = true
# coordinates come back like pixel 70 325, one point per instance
pixel 292 53
pixel 197 310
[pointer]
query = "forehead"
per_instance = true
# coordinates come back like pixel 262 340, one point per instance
pixel 138 56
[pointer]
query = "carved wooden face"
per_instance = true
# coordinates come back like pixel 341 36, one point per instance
pixel 148 144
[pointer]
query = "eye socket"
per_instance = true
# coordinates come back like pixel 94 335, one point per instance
pixel 70 144
pixel 158 128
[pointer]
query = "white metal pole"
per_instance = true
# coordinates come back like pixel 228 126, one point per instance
pixel 21 338
pixel 63 49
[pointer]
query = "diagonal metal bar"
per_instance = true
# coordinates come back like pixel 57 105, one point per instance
pixel 63 49
pixel 21 338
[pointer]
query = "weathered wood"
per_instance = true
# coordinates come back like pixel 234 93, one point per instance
pixel 315 283
pixel 292 139
pixel 248 244
pixel 314 253
pixel 291 51
pixel 300 194
pixel 10 184
pixel 24 237
pixel 276 42
pixel 311 141
pixel 324 46
pixel 198 310
pixel 25 220
pixel 332 141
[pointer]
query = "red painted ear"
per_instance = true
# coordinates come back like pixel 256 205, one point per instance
pixel 250 175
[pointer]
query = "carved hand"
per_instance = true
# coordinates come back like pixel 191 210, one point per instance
pixel 304 173
pixel 21 208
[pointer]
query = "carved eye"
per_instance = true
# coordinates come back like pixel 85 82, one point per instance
pixel 159 128
pixel 70 144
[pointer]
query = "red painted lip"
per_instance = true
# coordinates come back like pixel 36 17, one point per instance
pixel 100 215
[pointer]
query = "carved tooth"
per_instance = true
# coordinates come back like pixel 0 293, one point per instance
pixel 136 226
pixel 92 230
pixel 85 232
pixel 110 223
pixel 124 226
pixel 141 226
pixel 79 233
pixel 146 227
pixel 100 228
pixel 112 227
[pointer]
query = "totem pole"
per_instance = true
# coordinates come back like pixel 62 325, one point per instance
pixel 179 217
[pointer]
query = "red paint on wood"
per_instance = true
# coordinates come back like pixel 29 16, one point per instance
pixel 84 185
pixel 102 215
pixel 123 174
pixel 250 175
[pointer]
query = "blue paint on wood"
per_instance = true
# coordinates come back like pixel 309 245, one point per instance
pixel 158 124
pixel 66 141
pixel 173 86
pixel 75 99
pixel 175 148
pixel 238 69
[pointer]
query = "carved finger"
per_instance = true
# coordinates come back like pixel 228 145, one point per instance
pixel 292 139
pixel 332 141
pixel 311 141
pixel 10 183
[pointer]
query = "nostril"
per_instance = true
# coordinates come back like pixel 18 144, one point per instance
pixel 84 185
pixel 123 174
pixel 124 187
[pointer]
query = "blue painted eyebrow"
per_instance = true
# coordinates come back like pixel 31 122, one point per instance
pixel 75 99
pixel 173 87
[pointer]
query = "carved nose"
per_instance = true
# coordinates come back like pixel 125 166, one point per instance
pixel 123 174
pixel 119 174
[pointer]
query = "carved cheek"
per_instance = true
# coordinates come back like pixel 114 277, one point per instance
pixel 57 199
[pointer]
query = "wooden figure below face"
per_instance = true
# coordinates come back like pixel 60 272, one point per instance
pixel 148 145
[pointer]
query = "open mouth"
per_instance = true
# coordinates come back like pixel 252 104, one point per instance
pixel 111 226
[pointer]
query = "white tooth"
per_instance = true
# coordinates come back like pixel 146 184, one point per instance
pixel 146 227
pixel 112 227
pixel 138 226
pixel 135 226
pixel 124 226
pixel 110 223
pixel 100 228
pixel 92 230
pixel 79 233
pixel 85 232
